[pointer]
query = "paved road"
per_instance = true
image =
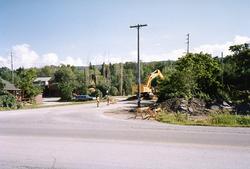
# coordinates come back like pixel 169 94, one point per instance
pixel 81 136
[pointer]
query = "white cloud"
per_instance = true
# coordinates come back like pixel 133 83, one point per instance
pixel 174 55
pixel 216 49
pixel 72 61
pixel 241 39
pixel 50 58
pixel 4 62
pixel 25 56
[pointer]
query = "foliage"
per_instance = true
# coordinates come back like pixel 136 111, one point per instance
pixel 179 84
pixel 103 88
pixel 236 73
pixel 204 69
pixel 7 100
pixel 129 81
pixel 25 83
pixel 5 73
pixel 98 93
pixel 212 120
pixel 81 89
pixel 66 90
pixel 46 71
pixel 1 85
pixel 196 75
pixel 230 120
pixel 113 91
pixel 66 81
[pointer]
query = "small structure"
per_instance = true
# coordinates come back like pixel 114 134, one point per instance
pixel 49 87
pixel 11 88
pixel 42 81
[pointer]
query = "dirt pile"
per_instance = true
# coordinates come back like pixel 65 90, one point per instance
pixel 194 106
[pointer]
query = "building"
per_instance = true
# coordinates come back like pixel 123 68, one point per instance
pixel 49 88
pixel 11 88
pixel 42 81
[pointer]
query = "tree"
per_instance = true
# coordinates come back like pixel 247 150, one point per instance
pixel 239 62
pixel 129 81
pixel 113 91
pixel 25 83
pixel 66 80
pixel 236 73
pixel 196 76
pixel 1 85
pixel 5 73
pixel 178 84
pixel 46 71
pixel 205 70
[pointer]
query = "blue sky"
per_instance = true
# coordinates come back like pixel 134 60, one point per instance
pixel 44 32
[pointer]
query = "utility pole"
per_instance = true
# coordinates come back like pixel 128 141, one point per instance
pixel 121 78
pixel 188 40
pixel 138 26
pixel 222 65
pixel 12 67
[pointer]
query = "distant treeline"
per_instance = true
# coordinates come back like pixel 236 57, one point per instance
pixel 193 75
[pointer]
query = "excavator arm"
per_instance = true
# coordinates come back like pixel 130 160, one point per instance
pixel 153 75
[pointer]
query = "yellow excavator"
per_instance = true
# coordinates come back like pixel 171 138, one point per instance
pixel 146 89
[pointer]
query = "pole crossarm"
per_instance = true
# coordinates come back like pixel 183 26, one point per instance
pixel 138 26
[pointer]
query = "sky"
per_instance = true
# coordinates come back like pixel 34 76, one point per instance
pixel 76 32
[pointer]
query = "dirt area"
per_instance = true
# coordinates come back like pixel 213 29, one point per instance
pixel 120 113
pixel 128 112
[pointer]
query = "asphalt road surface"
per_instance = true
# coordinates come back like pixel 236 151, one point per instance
pixel 82 137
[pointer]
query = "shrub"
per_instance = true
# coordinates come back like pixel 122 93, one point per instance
pixel 114 91
pixel 7 100
pixel 66 90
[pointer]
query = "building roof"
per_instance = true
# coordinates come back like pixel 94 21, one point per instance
pixel 8 86
pixel 42 79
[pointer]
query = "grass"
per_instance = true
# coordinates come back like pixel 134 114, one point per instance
pixel 226 120
pixel 35 106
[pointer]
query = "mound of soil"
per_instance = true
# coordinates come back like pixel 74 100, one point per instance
pixel 194 106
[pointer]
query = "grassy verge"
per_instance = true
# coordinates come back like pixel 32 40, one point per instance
pixel 226 120
pixel 35 106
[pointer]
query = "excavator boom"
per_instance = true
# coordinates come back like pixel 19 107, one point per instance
pixel 153 75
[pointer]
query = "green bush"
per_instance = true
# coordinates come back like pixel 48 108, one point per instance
pixel 7 100
pixel 66 90
pixel 114 91
pixel 98 93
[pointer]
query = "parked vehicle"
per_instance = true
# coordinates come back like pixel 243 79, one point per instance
pixel 83 97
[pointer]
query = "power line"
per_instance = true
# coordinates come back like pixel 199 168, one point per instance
pixel 138 60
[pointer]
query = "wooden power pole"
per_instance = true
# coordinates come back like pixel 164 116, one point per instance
pixel 138 60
